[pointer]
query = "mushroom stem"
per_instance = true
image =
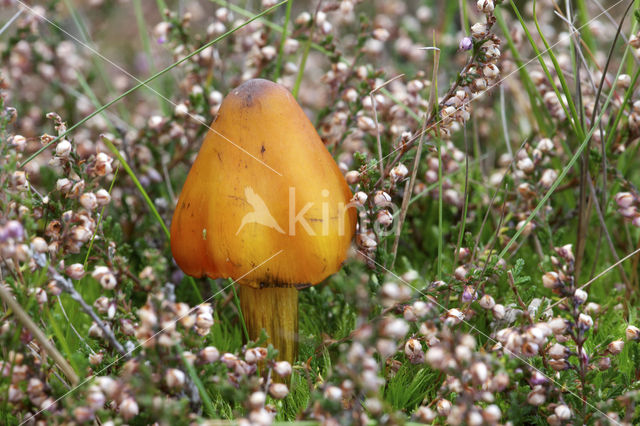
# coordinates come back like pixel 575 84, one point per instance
pixel 274 309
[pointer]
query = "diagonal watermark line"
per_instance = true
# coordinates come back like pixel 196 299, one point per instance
pixel 493 340
pixel 10 21
pixel 171 324
pixel 491 86
pixel 145 82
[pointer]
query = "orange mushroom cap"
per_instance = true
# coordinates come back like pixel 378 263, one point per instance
pixel 263 187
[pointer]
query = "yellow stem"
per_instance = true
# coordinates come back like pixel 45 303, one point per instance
pixel 274 309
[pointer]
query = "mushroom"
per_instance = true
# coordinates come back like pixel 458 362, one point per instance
pixel 266 205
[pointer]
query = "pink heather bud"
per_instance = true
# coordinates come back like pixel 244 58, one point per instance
pixel 460 273
pixel 559 364
pixel 384 218
pixel 558 325
pixel 352 177
pixel 443 407
pixel 604 363
pixel 399 172
pixel 563 412
pixel 174 378
pixel 487 302
pixel 254 355
pixel 492 414
pixel 479 30
pixel 585 322
pixel 469 294
pixel 580 296
pixel 278 390
pixel 557 351
pixel 632 332
pixel 129 408
pixel 615 347
pixel 89 201
pixel 526 165
pixel 64 185
pixel 359 198
pixel 466 43
pixel 566 252
pixel 382 199
pixel 282 368
pixel 63 149
pixel 537 396
pixel 75 271
pixel 413 351
pixel 490 71
pixel 209 354
pixel 103 197
pixel 257 399
pixel 499 311
pixel 624 199
pixel 485 6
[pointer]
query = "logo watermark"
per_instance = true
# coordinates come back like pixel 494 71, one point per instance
pixel 330 215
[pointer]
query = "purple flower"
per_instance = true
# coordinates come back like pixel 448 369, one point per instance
pixel 466 43
pixel 14 230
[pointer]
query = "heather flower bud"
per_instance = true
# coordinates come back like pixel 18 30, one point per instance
pixel 615 347
pixel 469 294
pixel 526 165
pixel 537 396
pixel 365 242
pixel 466 43
pixel 487 302
pixel 563 412
pixel 632 332
pixel 399 172
pixel 63 185
pixel 479 373
pixel 360 198
pixel 382 199
pixel 174 378
pixel 413 351
pixel 485 6
pixel 580 296
pixel 384 218
pixel 278 390
pixel 454 316
pixel 624 199
pixel 75 271
pixel 558 325
pixel 89 201
pixel 352 177
pixel 103 197
pixel 209 354
pixel 490 71
pixel 129 408
pixel 499 311
pixel 548 177
pixel 585 322
pixel 443 407
pixel 282 368
pixel 557 351
pixel 63 149
pixel 479 30
pixel 257 399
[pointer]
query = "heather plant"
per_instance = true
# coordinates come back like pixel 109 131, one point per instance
pixel 491 148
